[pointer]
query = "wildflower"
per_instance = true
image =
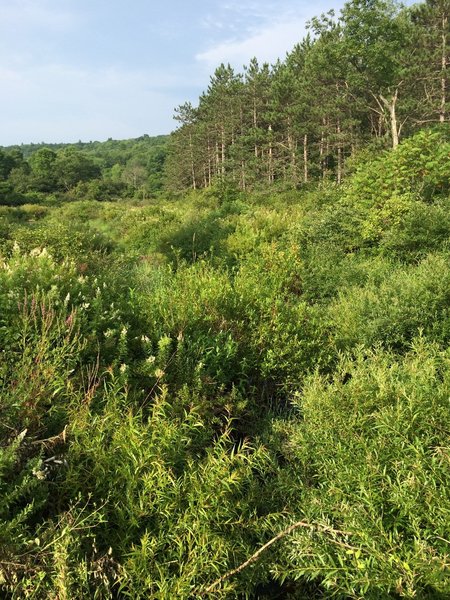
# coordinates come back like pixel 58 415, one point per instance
pixel 40 473
pixel 150 359
pixel 123 368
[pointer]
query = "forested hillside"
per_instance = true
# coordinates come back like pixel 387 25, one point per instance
pixel 226 374
pixel 363 79
pixel 94 170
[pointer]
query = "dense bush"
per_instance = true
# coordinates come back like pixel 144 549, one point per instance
pixel 372 450
pixel 409 300
pixel 226 395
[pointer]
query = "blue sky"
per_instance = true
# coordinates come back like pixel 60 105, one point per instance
pixel 94 69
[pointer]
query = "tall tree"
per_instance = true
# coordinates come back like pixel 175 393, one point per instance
pixel 380 46
pixel 433 39
pixel 256 100
pixel 43 176
pixel 187 116
pixel 72 166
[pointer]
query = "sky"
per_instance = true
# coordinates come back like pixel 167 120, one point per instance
pixel 96 69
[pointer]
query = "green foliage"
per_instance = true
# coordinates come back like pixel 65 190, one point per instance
pixel 94 171
pixel 43 176
pixel 407 301
pixel 420 167
pixel 372 445
pixel 422 228
pixel 226 394
pixel 174 513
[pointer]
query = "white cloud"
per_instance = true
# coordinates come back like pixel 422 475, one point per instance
pixel 55 102
pixel 36 13
pixel 9 77
pixel 244 18
pixel 268 43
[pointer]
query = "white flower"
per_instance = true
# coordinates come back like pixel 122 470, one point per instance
pixel 123 368
pixel 150 360
pixel 40 473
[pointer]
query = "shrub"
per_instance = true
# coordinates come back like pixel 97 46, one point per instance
pixel 392 312
pixel 370 451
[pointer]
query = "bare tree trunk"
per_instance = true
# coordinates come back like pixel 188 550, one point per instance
pixel 339 153
pixel 443 68
pixel 222 151
pixel 305 158
pixel 255 124
pixel 217 159
pixel 191 149
pixel 292 151
pixel 243 182
pixel 209 162
pixel 391 107
pixel 381 121
pixel 321 151
pixel 270 155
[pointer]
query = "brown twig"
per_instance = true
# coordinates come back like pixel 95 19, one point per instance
pixel 54 439
pixel 267 545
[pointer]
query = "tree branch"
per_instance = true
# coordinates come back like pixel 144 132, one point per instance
pixel 254 557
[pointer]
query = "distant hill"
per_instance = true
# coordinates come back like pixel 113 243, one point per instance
pixel 97 170
pixel 116 148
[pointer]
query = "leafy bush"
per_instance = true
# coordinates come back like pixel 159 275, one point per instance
pixel 409 300
pixel 221 395
pixel 371 451
pixel 419 166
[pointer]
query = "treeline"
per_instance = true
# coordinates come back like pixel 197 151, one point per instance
pixel 372 75
pixel 94 170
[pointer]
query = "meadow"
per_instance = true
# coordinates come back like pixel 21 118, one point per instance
pixel 230 394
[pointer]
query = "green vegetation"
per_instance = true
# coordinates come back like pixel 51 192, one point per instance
pixel 228 392
pixel 182 380
pixel 358 82
pixel 95 170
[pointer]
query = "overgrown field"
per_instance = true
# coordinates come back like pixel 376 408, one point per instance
pixel 186 378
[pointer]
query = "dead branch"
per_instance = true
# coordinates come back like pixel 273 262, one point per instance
pixel 267 545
